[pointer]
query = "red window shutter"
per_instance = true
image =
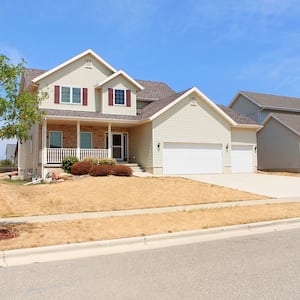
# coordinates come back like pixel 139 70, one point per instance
pixel 56 94
pixel 110 96
pixel 128 98
pixel 84 96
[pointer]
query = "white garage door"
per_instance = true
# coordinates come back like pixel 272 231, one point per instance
pixel 241 159
pixel 192 158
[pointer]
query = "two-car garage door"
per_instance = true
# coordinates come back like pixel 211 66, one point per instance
pixel 188 158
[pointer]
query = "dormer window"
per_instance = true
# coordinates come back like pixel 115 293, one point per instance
pixel 119 97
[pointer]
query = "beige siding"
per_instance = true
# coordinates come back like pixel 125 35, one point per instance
pixel 187 123
pixel 29 153
pixel 140 146
pixel 278 148
pixel 76 74
pixel 119 83
pixel 246 107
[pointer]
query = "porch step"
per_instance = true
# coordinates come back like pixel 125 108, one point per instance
pixel 135 167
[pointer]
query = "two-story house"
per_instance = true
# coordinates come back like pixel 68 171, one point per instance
pixel 279 138
pixel 94 110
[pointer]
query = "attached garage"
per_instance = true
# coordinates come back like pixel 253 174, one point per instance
pixel 241 159
pixel 192 158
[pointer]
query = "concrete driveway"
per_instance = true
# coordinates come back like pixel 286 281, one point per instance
pixel 268 185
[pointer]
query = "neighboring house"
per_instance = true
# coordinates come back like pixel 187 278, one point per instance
pixel 94 110
pixel 10 152
pixel 279 138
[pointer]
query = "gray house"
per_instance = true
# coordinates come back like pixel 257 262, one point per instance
pixel 10 153
pixel 279 139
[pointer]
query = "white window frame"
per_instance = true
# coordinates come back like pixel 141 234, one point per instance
pixel 71 95
pixel 61 140
pixel 114 95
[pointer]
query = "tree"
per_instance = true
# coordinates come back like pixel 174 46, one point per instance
pixel 19 111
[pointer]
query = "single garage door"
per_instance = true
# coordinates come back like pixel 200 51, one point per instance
pixel 241 159
pixel 192 158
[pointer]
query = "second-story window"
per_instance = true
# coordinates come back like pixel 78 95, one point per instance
pixel 119 97
pixel 70 95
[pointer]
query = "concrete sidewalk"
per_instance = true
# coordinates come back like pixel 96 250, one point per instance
pixel 118 213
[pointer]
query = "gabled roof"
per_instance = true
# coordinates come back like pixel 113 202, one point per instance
pixel 89 51
pixel 268 101
pixel 237 117
pixel 121 73
pixel 289 120
pixel 154 90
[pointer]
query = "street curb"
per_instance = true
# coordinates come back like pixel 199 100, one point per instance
pixel 80 250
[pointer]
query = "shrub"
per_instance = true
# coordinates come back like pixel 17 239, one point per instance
pixel 100 170
pixel 68 162
pixel 121 170
pixel 107 161
pixel 93 160
pixel 81 168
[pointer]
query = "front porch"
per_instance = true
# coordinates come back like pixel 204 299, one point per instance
pixel 60 139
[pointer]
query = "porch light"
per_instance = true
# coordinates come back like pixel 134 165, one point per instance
pixel 255 148
pixel 227 147
pixel 158 146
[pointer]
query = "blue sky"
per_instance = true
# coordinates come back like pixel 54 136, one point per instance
pixel 219 46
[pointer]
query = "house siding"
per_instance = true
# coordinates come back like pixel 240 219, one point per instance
pixel 118 83
pixel 274 153
pixel 141 147
pixel 187 123
pixel 76 74
pixel 244 106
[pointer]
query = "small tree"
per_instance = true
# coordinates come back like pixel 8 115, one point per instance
pixel 19 111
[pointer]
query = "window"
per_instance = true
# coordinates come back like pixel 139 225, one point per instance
pixel 119 97
pixel 55 139
pixel 86 140
pixel 70 95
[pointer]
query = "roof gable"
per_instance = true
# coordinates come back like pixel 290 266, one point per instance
pixel 123 74
pixel 267 101
pixel 75 58
pixel 290 121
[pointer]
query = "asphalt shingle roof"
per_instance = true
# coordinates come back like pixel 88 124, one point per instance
pixel 237 117
pixel 266 100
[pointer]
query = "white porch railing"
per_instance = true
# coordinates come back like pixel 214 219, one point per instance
pixel 56 155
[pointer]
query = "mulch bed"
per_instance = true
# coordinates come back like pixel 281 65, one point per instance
pixel 7 233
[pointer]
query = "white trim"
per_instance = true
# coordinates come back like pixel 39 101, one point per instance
pixel 89 51
pixel 120 73
pixel 203 97
pixel 71 95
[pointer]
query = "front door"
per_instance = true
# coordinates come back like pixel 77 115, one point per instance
pixel 119 145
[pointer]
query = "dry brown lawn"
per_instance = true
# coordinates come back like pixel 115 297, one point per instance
pixel 110 193
pixel 54 233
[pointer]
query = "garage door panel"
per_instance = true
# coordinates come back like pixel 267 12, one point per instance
pixel 192 158
pixel 241 159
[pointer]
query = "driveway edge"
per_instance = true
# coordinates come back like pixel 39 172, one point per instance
pixel 81 250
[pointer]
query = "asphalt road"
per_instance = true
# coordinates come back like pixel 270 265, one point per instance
pixel 265 266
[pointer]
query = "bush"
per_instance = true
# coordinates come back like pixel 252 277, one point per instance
pixel 93 160
pixel 100 170
pixel 121 170
pixel 6 163
pixel 68 162
pixel 107 161
pixel 81 168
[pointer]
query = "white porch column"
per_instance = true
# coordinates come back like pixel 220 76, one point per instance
pixel 78 140
pixel 44 146
pixel 109 141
